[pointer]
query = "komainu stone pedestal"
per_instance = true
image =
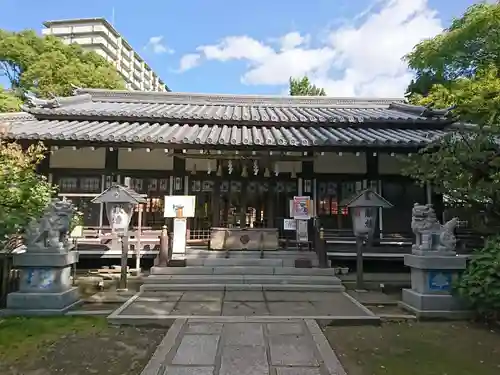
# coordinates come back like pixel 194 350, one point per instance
pixel 434 266
pixel 45 286
pixel 430 295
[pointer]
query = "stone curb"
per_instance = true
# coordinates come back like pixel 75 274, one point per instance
pixel 119 310
pixel 155 363
pixel 359 304
pixel 162 320
pixel 330 359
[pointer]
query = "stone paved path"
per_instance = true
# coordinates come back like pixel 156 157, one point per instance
pixel 241 303
pixel 244 347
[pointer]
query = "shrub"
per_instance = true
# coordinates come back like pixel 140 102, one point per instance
pixel 479 285
pixel 23 193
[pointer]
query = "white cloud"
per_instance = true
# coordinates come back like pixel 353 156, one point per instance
pixel 189 61
pixel 293 40
pixel 361 57
pixel 157 45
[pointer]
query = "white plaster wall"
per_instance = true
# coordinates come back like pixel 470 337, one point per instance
pixel 290 166
pixel 346 163
pixel 201 164
pixel 140 159
pixel 66 157
pixel 388 164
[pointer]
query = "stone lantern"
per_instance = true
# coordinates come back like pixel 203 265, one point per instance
pixel 119 203
pixel 364 210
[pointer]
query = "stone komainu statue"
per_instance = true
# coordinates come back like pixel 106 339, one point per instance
pixel 50 232
pixel 430 235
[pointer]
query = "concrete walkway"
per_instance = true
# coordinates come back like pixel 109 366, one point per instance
pixel 244 346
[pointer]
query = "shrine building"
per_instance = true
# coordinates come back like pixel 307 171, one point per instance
pixel 243 157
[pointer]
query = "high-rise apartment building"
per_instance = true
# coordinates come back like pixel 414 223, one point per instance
pixel 98 35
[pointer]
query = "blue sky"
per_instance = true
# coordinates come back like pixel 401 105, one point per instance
pixel 350 47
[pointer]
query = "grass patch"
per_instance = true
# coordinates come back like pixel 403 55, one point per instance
pixel 20 337
pixel 417 348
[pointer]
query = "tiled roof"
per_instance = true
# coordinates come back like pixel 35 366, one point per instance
pixel 231 110
pixel 224 135
pixel 130 117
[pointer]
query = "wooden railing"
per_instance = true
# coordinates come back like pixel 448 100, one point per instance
pixel 467 240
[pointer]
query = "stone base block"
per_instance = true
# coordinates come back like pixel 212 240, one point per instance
pixel 442 306
pixel 42 301
pixel 436 262
pixel 53 260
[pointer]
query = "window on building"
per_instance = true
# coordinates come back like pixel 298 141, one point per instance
pixel 329 206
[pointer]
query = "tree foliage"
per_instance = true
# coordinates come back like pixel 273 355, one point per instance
pixel 8 101
pixel 303 87
pixel 23 193
pixel 479 285
pixel 46 66
pixel 461 67
pixel 471 43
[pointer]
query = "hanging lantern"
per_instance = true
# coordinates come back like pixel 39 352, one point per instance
pixel 255 168
pixel 276 169
pixel 244 172
pixel 230 167
pixel 219 171
pixel 209 167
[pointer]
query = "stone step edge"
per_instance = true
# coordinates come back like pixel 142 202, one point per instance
pixel 241 287
pixel 237 279
pixel 242 270
pixel 168 320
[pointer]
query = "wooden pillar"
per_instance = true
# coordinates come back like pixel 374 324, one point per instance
pixel 243 205
pixel 111 175
pixel 216 198
pixel 307 176
pixel 271 201
pixel 372 174
pixel 111 162
pixel 43 167
pixel 178 173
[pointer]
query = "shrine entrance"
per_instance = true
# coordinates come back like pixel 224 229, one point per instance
pixel 244 204
pixel 237 195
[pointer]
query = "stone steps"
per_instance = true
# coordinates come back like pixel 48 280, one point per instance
pixel 242 279
pixel 242 270
pixel 159 288
pixel 269 254
pixel 242 262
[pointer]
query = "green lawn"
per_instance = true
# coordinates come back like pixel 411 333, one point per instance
pixel 23 336
pixel 417 349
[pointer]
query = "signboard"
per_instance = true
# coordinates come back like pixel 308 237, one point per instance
pixel 179 240
pixel 77 232
pixel 186 202
pixel 301 208
pixel 302 235
pixel 289 224
pixel 440 280
pixel 120 218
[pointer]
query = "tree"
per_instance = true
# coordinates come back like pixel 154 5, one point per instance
pixel 47 66
pixel 460 67
pixel 8 101
pixel 471 43
pixel 23 193
pixel 303 87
